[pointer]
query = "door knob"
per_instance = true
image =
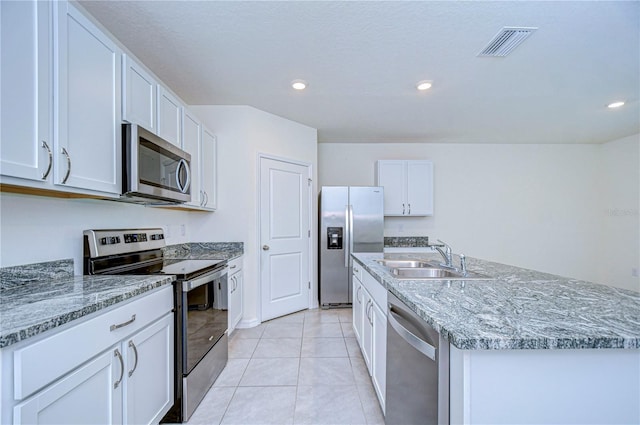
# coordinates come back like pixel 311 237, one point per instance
pixel 265 247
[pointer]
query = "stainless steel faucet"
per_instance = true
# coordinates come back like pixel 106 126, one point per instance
pixel 445 254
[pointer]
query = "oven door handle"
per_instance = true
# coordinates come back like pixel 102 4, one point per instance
pixel 188 285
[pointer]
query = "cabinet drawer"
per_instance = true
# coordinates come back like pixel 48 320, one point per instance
pixel 235 265
pixel 357 271
pixel 40 363
pixel 376 290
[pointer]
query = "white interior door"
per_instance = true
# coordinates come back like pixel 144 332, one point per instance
pixel 285 231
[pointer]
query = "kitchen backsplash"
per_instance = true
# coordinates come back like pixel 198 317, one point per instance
pixel 22 275
pixel 202 250
pixel 406 241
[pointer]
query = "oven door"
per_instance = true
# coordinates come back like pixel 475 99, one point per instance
pixel 204 316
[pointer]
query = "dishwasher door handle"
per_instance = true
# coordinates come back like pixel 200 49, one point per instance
pixel 416 342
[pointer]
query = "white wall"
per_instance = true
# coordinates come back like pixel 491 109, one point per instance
pixel 533 206
pixel 619 244
pixel 36 229
pixel 243 133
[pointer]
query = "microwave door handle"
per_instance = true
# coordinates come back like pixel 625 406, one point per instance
pixel 184 164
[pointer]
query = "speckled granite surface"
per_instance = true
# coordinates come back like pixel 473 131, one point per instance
pixel 205 250
pixel 520 309
pixel 406 241
pixel 29 309
pixel 37 297
pixel 23 275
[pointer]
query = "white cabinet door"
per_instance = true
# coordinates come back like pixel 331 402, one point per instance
pixel 235 299
pixel 209 169
pixel 367 329
pixel 170 112
pixel 88 147
pixel 420 188
pixel 379 348
pixel 139 91
pixel 408 187
pixel 358 309
pixel 86 396
pixel 192 142
pixel 392 177
pixel 149 376
pixel 25 89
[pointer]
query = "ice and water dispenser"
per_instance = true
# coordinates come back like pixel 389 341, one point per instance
pixel 334 237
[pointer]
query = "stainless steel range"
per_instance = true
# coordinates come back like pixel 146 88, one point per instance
pixel 200 301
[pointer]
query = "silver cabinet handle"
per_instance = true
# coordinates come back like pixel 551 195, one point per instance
pixel 409 209
pixel 66 176
pixel 135 351
pixel 121 325
pixel 46 173
pixel 358 293
pixel 402 209
pixel 206 198
pixel 117 354
pixel 417 343
pixel 265 247
pixel 232 267
pixel 183 164
pixel 201 198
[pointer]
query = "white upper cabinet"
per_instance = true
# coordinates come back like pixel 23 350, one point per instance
pixel 170 112
pixel 139 93
pixel 192 138
pixel 25 73
pixel 88 147
pixel 209 170
pixel 408 187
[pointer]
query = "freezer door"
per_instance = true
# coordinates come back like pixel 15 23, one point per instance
pixel 333 253
pixel 367 208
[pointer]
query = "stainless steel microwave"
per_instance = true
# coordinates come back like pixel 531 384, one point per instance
pixel 154 171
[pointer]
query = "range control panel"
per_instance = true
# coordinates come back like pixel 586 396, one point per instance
pixel 118 241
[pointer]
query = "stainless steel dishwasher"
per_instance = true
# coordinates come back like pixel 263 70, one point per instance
pixel 417 369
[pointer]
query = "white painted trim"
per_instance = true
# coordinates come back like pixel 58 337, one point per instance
pixel 309 167
pixel 244 324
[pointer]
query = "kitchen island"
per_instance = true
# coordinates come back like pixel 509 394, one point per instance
pixel 529 347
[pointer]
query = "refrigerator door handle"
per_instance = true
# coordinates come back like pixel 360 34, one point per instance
pixel 347 236
pixel 350 218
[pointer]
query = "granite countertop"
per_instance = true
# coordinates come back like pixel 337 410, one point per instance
pixel 519 309
pixel 31 309
pixel 38 297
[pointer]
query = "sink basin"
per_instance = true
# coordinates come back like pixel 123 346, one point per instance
pixel 433 273
pixel 403 263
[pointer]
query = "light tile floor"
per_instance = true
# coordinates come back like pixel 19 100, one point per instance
pixel 304 368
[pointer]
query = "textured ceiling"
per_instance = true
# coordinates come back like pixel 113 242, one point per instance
pixel 363 59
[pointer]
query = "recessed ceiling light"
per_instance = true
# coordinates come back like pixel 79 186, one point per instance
pixel 423 85
pixel 299 84
pixel 615 104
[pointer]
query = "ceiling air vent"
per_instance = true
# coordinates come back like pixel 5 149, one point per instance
pixel 506 40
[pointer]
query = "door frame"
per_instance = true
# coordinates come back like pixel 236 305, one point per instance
pixel 312 238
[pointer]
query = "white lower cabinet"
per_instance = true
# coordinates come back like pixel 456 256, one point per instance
pixel 114 368
pixel 83 397
pixel 235 293
pixel 370 326
pixel 149 387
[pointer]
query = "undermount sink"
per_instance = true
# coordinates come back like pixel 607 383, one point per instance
pixel 434 273
pixel 403 263
pixel 415 269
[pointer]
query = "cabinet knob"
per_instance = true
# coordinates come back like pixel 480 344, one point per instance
pixel 265 247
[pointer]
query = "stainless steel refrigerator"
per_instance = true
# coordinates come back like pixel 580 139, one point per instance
pixel 351 220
